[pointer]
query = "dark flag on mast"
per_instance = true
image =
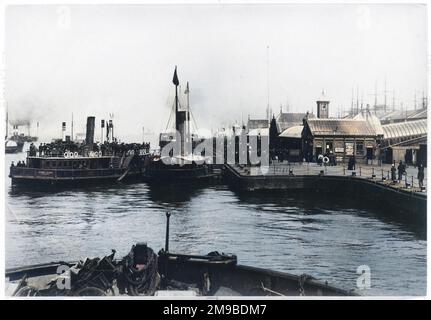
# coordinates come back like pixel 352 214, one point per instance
pixel 175 79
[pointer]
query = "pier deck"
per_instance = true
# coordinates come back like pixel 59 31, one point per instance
pixel 380 191
pixel 382 174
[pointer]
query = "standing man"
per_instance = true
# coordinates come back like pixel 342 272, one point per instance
pixel 421 175
pixel 393 173
pixel 401 170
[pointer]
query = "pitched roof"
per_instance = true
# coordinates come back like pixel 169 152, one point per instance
pixel 257 123
pixel 293 116
pixel 259 132
pixel 291 119
pixel 292 132
pixel 405 129
pixel 366 115
pixel 340 127
pixel 401 115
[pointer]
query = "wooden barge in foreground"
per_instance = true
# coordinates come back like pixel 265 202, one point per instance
pixel 145 273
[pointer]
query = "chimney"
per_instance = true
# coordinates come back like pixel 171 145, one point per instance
pixel 89 137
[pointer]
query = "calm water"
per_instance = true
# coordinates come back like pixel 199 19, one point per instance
pixel 277 231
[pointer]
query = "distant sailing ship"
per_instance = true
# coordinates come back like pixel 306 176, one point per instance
pixel 181 164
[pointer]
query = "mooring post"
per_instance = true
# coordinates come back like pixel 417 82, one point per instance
pixel 168 214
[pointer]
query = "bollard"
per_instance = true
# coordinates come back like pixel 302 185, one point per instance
pixel 168 214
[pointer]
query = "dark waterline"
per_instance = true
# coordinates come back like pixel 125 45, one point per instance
pixel 292 233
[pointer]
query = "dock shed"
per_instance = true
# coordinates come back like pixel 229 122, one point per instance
pixel 340 137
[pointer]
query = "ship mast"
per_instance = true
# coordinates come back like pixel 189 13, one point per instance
pixel 7 121
pixel 179 118
pixel 188 133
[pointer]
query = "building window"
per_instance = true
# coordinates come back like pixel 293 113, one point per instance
pixel 328 148
pixel 359 148
pixel 349 148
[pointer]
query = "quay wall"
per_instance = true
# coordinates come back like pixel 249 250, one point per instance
pixel 411 205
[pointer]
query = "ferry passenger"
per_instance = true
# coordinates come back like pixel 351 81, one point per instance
pixel 33 150
pixel 320 159
pixel 351 164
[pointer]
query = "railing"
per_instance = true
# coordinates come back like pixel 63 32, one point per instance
pixel 63 173
pixel 376 173
pixel 105 153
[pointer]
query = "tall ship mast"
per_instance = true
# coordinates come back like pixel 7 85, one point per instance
pixel 176 161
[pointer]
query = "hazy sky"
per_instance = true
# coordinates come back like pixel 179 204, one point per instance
pixel 96 60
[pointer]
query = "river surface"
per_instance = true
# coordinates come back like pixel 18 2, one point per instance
pixel 326 238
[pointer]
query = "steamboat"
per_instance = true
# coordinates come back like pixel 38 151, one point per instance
pixel 15 143
pixel 12 146
pixel 69 163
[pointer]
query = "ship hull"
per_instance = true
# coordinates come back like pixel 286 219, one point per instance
pixel 77 181
pixel 225 277
pixel 159 173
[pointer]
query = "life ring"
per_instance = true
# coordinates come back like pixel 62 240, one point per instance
pixel 75 155
pixel 66 154
pixel 325 160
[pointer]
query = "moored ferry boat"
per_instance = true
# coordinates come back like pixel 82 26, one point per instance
pixel 70 163
pixel 76 169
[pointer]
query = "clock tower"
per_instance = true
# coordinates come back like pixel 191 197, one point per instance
pixel 322 107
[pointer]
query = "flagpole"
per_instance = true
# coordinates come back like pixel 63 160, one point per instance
pixel 72 128
pixel 177 128
pixel 189 137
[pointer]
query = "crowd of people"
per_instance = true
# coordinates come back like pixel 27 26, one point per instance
pixel 58 148
pixel 327 159
pixel 401 170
